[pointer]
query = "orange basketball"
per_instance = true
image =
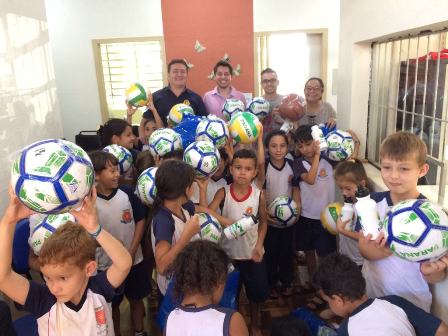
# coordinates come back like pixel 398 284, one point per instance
pixel 292 107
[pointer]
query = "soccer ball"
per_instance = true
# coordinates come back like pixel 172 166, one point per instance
pixel 284 209
pixel 213 129
pixel 260 107
pixel 231 107
pixel 211 230
pixel 340 145
pixel 123 156
pixel 163 141
pixel 146 186
pixel 52 176
pixel 417 230
pixel 329 217
pixel 177 113
pixel 245 127
pixel 203 157
pixel 136 95
pixel 44 227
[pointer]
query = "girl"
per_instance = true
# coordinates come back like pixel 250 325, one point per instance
pixel 279 239
pixel 199 286
pixel 149 126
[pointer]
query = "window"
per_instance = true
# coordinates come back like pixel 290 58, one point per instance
pixel 294 55
pixel 120 63
pixel 409 83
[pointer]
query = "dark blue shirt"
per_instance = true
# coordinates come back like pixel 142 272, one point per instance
pixel 165 99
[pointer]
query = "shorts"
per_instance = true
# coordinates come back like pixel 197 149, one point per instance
pixel 255 279
pixel 310 235
pixel 136 285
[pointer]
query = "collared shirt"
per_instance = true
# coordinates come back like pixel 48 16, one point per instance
pixel 214 101
pixel 165 99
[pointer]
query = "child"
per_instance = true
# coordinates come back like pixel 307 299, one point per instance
pixel 149 126
pixel 73 301
pixel 402 161
pixel 289 326
pixel 341 284
pixel 6 326
pixel 123 215
pixel 317 191
pixel 279 181
pixel 199 285
pixel 241 198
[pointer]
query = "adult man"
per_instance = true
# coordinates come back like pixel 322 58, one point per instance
pixel 269 83
pixel 215 99
pixel 176 92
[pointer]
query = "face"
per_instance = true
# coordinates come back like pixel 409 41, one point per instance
pixel 109 177
pixel 278 147
pixel 269 83
pixel 336 304
pixel 126 139
pixel 67 282
pixel 223 77
pixel 348 187
pixel 178 75
pixel 150 127
pixel 313 91
pixel 307 149
pixel 401 176
pixel 243 171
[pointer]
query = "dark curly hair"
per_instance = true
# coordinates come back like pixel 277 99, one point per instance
pixel 338 275
pixel 199 269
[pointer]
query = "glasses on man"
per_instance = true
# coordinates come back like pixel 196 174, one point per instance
pixel 269 81
pixel 313 88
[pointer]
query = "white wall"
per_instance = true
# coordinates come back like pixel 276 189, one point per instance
pixel 73 24
pixel 29 110
pixel 296 15
pixel 362 22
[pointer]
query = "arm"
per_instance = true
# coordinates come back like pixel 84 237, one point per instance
pixel 217 200
pixel 373 249
pixel 257 253
pixel 310 177
pixel 357 144
pixel 202 184
pixel 331 116
pixel 155 113
pixel 138 236
pixel 130 112
pixel 297 198
pixel 340 226
pixel 435 271
pixel 442 330
pixel 259 180
pixel 237 325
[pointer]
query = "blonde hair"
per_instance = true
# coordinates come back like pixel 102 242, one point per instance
pixel 402 145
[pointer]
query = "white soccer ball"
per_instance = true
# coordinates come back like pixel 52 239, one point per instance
pixel 44 227
pixel 163 141
pixel 211 230
pixel 146 186
pixel 203 157
pixel 213 129
pixel 52 176
pixel 260 107
pixel 340 145
pixel 123 156
pixel 231 107
pixel 284 210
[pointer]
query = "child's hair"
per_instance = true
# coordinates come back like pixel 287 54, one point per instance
pixel 144 160
pixel 352 171
pixel 401 145
pixel 338 275
pixel 112 127
pixel 70 243
pixel 177 154
pixel 100 160
pixel 199 269
pixel 303 134
pixel 147 120
pixel 289 326
pixel 173 177
pixel 223 154
pixel 274 133
pixel 244 154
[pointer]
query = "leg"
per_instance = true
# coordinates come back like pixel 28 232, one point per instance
pixel 285 260
pixel 311 262
pixel 137 314
pixel 116 319
pixel 255 320
pixel 271 257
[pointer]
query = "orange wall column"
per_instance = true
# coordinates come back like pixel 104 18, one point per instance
pixel 222 27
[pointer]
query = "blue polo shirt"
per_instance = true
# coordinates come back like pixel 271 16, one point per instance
pixel 165 99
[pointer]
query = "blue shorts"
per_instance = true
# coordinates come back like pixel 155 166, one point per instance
pixel 310 235
pixel 255 279
pixel 136 286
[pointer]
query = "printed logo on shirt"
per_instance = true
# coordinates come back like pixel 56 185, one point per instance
pixel 186 102
pixel 100 317
pixel 248 211
pixel 323 173
pixel 126 216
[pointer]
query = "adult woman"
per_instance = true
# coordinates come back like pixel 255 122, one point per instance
pixel 316 110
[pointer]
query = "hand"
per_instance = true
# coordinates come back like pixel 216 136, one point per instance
pixel 150 100
pixel 260 136
pixel 131 110
pixel 379 243
pixel 428 268
pixel 16 210
pixel 202 182
pixel 87 216
pixel 229 148
pixel 257 253
pixel 270 218
pixel 340 225
pixel 354 136
pixel 330 122
pixel 191 227
pixel 316 148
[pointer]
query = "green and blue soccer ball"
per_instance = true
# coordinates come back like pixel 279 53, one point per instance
pixel 52 176
pixel 146 186
pixel 340 145
pixel 417 230
pixel 231 107
pixel 213 129
pixel 284 210
pixel 123 155
pixel 211 230
pixel 164 141
pixel 203 157
pixel 260 107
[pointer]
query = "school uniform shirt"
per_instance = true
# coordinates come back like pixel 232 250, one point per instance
pixel 118 213
pixel 393 275
pixel 315 197
pixel 389 316
pixel 205 321
pixel 235 209
pixel 167 226
pixel 349 246
pixel 92 316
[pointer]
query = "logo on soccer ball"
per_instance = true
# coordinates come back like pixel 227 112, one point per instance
pixel 146 186
pixel 231 107
pixel 203 157
pixel 284 210
pixel 212 129
pixel 163 141
pixel 340 145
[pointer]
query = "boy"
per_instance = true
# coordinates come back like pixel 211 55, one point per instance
pixel 123 215
pixel 73 301
pixel 317 190
pixel 342 285
pixel 402 162
pixel 241 198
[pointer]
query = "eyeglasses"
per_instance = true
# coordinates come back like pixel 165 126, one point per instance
pixel 269 81
pixel 313 88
